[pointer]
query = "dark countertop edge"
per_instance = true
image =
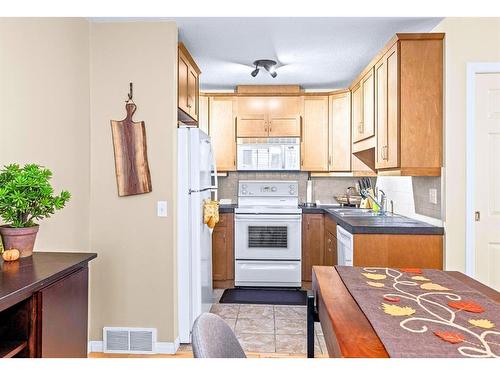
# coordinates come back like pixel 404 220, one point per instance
pixel 227 208
pixel 424 229
pixel 361 229
pixel 25 292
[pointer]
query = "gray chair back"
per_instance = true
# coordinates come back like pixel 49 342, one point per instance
pixel 213 338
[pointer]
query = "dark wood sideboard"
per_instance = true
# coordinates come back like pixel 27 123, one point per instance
pixel 44 306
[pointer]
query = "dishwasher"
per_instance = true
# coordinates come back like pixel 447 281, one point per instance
pixel 344 247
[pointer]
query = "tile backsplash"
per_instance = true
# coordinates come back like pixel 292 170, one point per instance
pixel 409 194
pixel 325 188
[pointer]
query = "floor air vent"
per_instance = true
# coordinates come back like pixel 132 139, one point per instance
pixel 129 340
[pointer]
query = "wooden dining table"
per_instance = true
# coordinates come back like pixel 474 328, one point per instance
pixel 346 329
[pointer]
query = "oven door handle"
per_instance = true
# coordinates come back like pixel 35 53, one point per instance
pixel 242 218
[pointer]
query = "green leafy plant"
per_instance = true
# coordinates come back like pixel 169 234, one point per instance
pixel 26 195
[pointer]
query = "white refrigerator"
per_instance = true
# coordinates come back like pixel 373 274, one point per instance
pixel 197 181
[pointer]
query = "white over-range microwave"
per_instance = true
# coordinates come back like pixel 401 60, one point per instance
pixel 268 154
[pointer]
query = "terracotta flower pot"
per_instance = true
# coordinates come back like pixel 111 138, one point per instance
pixel 22 239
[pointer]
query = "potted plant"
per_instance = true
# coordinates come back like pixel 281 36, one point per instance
pixel 26 196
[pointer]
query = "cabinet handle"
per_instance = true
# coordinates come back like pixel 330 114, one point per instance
pixel 330 161
pixel 270 126
pixel 386 152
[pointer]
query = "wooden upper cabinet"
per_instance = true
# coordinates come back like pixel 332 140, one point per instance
pixel 339 159
pixel 406 105
pixel 222 131
pixel 188 93
pixel 409 106
pixel 260 117
pixel 203 115
pixel 315 145
pixel 387 109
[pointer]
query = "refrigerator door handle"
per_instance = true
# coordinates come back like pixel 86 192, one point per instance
pixel 201 190
pixel 215 186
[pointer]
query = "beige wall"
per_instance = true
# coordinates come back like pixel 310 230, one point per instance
pixel 134 278
pixel 44 115
pixel 467 40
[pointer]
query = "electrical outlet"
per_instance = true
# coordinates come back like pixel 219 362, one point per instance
pixel 433 196
pixel 161 209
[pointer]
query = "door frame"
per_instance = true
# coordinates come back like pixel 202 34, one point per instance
pixel 470 235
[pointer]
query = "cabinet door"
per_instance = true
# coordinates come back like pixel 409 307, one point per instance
pixel 222 132
pixel 330 257
pixel 381 111
pixel 252 125
pixel 284 126
pixel 387 109
pixel 284 116
pixel 357 112
pixel 182 84
pixel 219 254
pixel 313 243
pixel 315 134
pixel 340 133
pixel 223 249
pixel 368 83
pixel 64 306
pixel 393 125
pixel 192 95
pixel 203 123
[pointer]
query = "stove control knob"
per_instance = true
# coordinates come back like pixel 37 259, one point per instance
pixel 244 192
pixel 273 189
pixel 243 186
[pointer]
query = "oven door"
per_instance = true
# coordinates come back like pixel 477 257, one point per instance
pixel 266 236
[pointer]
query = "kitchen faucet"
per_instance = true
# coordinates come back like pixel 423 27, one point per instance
pixel 382 204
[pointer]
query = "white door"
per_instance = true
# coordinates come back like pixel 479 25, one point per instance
pixel 487 179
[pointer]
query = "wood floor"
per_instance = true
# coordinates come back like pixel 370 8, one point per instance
pixel 189 354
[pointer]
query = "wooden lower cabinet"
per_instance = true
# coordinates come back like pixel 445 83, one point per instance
pixel 398 250
pixel 223 252
pixel 313 243
pixel 330 257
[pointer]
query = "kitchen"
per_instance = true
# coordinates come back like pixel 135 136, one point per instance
pixel 294 167
pixel 305 190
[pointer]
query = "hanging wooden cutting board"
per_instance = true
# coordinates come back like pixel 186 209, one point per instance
pixel 131 158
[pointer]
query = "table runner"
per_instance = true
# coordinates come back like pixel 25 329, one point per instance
pixel 425 313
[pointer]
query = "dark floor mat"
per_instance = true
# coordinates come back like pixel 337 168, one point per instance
pixel 265 296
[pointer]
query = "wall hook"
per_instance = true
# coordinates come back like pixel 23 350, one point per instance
pixel 130 93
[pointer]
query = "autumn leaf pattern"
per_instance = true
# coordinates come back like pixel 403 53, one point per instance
pixel 484 339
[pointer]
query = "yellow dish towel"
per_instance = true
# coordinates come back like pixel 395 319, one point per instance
pixel 210 213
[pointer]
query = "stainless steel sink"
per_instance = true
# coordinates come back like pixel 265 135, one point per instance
pixel 355 212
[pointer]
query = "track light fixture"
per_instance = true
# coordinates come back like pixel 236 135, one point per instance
pixel 268 65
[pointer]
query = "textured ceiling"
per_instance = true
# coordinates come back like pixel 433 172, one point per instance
pixel 316 53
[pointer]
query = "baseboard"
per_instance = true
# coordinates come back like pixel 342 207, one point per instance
pixel 160 347
pixel 95 347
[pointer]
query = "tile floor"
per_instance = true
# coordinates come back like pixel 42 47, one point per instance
pixel 270 328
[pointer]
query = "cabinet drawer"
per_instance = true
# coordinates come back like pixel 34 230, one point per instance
pixel 268 273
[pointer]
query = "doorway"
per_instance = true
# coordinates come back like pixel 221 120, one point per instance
pixel 483 174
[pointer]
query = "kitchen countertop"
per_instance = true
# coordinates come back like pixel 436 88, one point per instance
pixel 390 224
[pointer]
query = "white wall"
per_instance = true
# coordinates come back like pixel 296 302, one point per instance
pixel 467 40
pixel 44 110
pixel 134 278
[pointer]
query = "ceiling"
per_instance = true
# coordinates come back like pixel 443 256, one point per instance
pixel 316 53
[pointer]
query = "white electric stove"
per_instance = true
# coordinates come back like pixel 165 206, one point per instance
pixel 268 234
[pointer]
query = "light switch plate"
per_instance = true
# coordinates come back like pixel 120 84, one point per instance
pixel 433 196
pixel 161 209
